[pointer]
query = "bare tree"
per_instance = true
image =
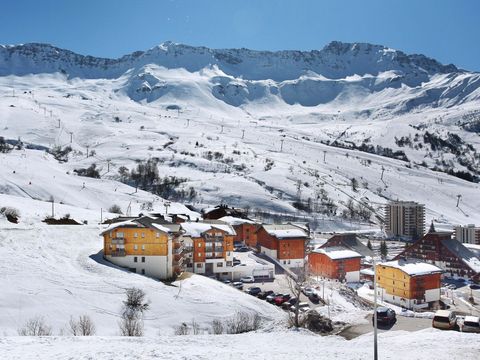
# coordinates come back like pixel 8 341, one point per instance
pixel 83 327
pixel 134 307
pixel 182 329
pixel 35 327
pixel 296 282
pixel 195 327
pixel 217 327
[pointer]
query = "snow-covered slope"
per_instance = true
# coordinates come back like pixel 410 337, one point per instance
pixel 58 272
pixel 250 128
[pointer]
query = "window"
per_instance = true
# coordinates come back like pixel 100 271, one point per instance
pixel 200 254
pixel 143 271
pixel 143 258
pixel 219 264
pixel 119 234
pixel 135 259
pixel 158 235
pixel 143 247
pixel 135 235
pixel 143 234
pixel 199 244
pixel 110 246
pixel 199 265
pixel 135 247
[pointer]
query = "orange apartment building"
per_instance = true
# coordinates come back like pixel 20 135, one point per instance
pixel 245 229
pixel 209 247
pixel 146 245
pixel 337 263
pixel 411 283
pixel 285 243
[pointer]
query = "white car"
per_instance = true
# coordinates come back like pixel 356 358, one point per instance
pixel 247 279
pixel 471 324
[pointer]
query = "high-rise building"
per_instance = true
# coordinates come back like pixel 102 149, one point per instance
pixel 405 220
pixel 468 234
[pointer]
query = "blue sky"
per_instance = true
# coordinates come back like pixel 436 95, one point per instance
pixel 446 30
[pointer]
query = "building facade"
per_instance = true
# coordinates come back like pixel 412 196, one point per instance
pixel 154 250
pixel 405 220
pixel 411 284
pixel 468 234
pixel 440 249
pixel 245 230
pixel 209 248
pixel 337 263
pixel 284 243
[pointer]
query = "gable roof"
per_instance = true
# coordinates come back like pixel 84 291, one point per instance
pixel 157 224
pixel 196 229
pixel 233 220
pixel 467 256
pixel 413 267
pixel 285 231
pixel 338 252
pixel 350 241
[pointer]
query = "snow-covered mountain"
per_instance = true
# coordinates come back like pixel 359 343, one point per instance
pixel 262 129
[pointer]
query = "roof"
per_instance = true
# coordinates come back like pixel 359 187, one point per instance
pixel 196 229
pixel 154 223
pixel 443 313
pixel 350 241
pixel 285 231
pixel 413 267
pixel 338 253
pixel 470 318
pixel 467 256
pixel 232 220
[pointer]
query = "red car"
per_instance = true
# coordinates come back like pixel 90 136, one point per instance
pixel 281 298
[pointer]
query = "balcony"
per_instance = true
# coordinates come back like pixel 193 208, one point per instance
pixel 118 241
pixel 214 255
pixel 118 253
pixel 178 262
pixel 177 257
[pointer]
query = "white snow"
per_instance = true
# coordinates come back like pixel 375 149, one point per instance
pixel 412 267
pixel 285 231
pixel 337 252
pixel 196 229
pixel 283 345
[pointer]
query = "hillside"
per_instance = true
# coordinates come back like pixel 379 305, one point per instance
pixel 274 131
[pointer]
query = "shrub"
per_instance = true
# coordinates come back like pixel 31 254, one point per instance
pixel 83 327
pixel 115 209
pixel 91 171
pixel 35 327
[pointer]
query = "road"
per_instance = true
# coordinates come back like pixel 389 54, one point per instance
pixel 402 323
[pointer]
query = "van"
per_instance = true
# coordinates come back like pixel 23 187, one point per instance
pixel 471 324
pixel 444 319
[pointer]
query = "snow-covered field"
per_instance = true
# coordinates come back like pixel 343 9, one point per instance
pixel 58 272
pixel 285 345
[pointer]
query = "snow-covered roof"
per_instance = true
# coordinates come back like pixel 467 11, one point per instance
pixel 412 267
pixel 285 231
pixel 467 256
pixel 161 228
pixel 196 229
pixel 338 252
pixel 367 271
pixel 128 223
pixel 232 220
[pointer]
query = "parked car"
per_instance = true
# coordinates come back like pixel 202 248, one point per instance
pixel 308 291
pixel 271 298
pixel 385 316
pixel 289 303
pixel 444 319
pixel 238 285
pixel 228 282
pixel 242 249
pixel 236 262
pixel 474 286
pixel 281 298
pixel 302 307
pixel 254 290
pixel 263 295
pixel 247 279
pixel 471 324
pixel 314 298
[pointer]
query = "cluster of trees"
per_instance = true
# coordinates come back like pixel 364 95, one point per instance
pixel 4 146
pixel 240 323
pixel 356 211
pixel 146 177
pixel 60 154
pixel 91 171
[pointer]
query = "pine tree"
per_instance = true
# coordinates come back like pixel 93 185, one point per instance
pixel 383 249
pixel 369 244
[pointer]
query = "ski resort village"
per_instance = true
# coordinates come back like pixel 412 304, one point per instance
pixel 185 202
